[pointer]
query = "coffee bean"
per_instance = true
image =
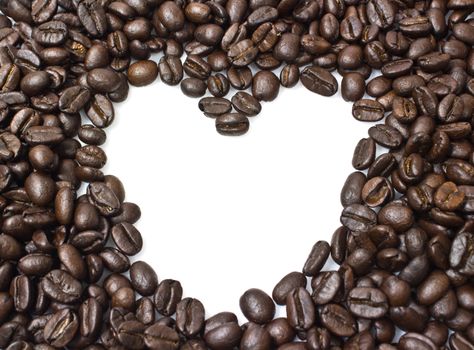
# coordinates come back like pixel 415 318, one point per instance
pixel 367 302
pixel 53 33
pixel 167 296
pixel 193 87
pixel 265 86
pixel 105 80
pixel 286 285
pixel 100 111
pixel 337 320
pixel 61 328
pixel 92 17
pixel 232 124
pixel 142 73
pixel 246 103
pixel 257 306
pixel 352 87
pixel 357 217
pixel 368 110
pixel 319 80
pixel 61 287
pixel 171 70
pixel 144 279
pixel 218 85
pixel 300 309
pixel 90 317
pixel 190 317
pixel 215 106
pixel 161 337
pixel 127 238
pixel 317 258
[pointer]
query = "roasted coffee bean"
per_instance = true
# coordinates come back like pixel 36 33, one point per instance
pixel 193 87
pixel 319 80
pixel 367 302
pixel 40 188
pixel 351 192
pixel 105 80
pixel 167 296
pixel 352 87
pixel 142 73
pixel 190 317
pixel 61 328
pixel 377 191
pixel 161 337
pixel 222 331
pixel 232 124
pixel 92 17
pixel 337 320
pixel 53 33
pixel 171 70
pixel 61 287
pixel 100 111
pixel 289 75
pixel 218 85
pixel 144 279
pixel 215 106
pixel 368 110
pixel 265 86
pixel 127 238
pixel 257 306
pixel 357 217
pixel 34 83
pixel 196 67
pixel 317 258
pixel 246 103
pixel 72 261
pixel 300 309
pixel 286 285
pixel 240 77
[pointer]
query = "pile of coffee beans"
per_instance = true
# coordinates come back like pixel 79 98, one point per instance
pixel 406 244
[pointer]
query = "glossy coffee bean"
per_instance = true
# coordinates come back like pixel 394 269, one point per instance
pixel 257 306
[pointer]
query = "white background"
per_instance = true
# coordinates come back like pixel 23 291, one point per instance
pixel 224 214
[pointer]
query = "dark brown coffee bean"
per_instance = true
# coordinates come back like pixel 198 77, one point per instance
pixel 367 302
pixel 317 258
pixel 287 284
pixel 218 85
pixel 127 238
pixel 325 287
pixel 352 86
pixel 351 192
pixel 357 217
pixel 368 110
pixel 319 80
pixel 246 103
pixel 190 317
pixel 232 124
pixel 142 73
pixel 337 320
pixel 193 87
pixel 104 80
pixel 61 328
pixel 240 77
pixel 161 337
pixel 167 296
pixel 265 86
pixel 61 287
pixel 100 111
pixel 300 309
pixel 257 306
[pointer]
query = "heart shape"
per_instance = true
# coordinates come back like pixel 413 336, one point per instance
pixel 283 178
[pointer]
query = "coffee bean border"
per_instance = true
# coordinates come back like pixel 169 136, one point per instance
pixel 406 244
